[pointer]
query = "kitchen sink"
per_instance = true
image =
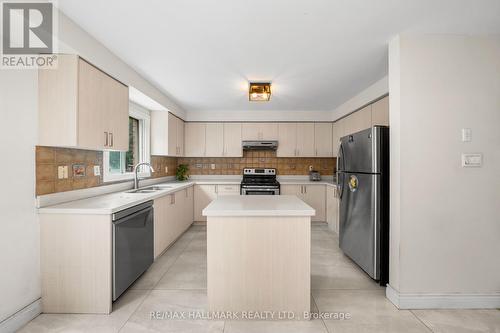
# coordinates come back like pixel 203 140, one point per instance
pixel 150 189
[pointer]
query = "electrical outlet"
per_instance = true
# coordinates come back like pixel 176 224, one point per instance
pixel 97 170
pixel 166 169
pixel 212 166
pixel 310 168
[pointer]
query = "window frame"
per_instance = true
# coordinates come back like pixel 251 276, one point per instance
pixel 144 117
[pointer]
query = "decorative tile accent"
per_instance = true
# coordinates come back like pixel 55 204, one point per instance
pixel 49 158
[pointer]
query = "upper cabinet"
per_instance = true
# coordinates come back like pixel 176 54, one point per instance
pixel 232 140
pixel 296 140
pixel 323 141
pixel 374 114
pixel 194 139
pixel 213 140
pixel 82 107
pixel 167 134
pixel 337 133
pixel 380 112
pixel 359 120
pixel 259 131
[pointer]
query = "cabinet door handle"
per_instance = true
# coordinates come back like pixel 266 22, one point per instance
pixel 216 189
pixel 111 139
pixel 105 139
pixel 305 189
pixel 316 152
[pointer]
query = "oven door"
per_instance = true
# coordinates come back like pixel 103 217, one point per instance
pixel 260 191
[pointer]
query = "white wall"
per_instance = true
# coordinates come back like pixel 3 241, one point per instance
pixel 259 116
pixel 446 218
pixel 19 233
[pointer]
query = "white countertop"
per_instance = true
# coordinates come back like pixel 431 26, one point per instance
pixel 111 203
pixel 257 205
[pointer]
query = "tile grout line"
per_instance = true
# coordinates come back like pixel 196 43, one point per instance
pixel 151 290
pixel 420 320
pixel 317 307
pixel 176 258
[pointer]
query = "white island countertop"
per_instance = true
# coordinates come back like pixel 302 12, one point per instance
pixel 258 205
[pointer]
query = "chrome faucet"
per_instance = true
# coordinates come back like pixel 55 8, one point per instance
pixel 136 169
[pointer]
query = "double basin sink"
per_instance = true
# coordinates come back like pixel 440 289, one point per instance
pixel 151 189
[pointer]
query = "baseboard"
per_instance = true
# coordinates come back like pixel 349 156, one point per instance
pixel 413 301
pixel 21 317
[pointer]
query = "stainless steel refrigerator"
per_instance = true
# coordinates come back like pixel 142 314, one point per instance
pixel 363 185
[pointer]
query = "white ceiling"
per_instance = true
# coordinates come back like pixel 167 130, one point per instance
pixel 317 53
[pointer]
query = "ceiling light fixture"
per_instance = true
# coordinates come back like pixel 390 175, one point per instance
pixel 259 91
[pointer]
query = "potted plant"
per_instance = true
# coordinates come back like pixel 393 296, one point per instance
pixel 181 172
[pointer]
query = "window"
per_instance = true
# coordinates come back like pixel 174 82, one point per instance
pixel 120 165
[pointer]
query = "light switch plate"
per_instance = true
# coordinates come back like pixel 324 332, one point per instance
pixel 473 160
pixel 97 170
pixel 60 172
pixel 466 135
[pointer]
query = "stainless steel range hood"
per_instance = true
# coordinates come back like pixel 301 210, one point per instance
pixel 260 145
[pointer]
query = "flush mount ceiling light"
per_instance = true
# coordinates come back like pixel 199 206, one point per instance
pixel 259 91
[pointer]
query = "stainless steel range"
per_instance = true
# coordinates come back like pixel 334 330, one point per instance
pixel 259 182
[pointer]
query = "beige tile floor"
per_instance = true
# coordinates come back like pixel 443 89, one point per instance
pixel 177 282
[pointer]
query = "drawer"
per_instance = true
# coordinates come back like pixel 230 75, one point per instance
pixel 228 189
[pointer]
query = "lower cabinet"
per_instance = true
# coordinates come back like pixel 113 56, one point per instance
pixel 173 214
pixel 313 195
pixel 332 208
pixel 205 194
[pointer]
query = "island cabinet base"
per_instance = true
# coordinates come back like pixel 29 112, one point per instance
pixel 259 264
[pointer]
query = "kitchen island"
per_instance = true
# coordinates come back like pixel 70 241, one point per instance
pixel 258 255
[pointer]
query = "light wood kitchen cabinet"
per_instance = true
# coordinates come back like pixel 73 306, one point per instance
pixel 203 195
pixel 313 195
pixel 167 134
pixel 194 140
pixel 323 139
pixel 173 214
pixel 296 140
pixel 305 140
pixel 287 140
pixel 163 234
pixel 380 112
pixel 259 131
pixel 332 208
pixel 81 107
pixel 336 135
pixel 359 120
pixel 232 140
pixel 214 140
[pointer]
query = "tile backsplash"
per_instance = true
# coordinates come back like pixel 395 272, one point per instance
pixel 257 159
pixel 48 159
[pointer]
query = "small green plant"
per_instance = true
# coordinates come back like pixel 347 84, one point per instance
pixel 181 172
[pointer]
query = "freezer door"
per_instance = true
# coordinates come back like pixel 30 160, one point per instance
pixel 360 152
pixel 360 220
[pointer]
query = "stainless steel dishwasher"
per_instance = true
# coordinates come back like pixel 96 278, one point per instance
pixel 133 237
